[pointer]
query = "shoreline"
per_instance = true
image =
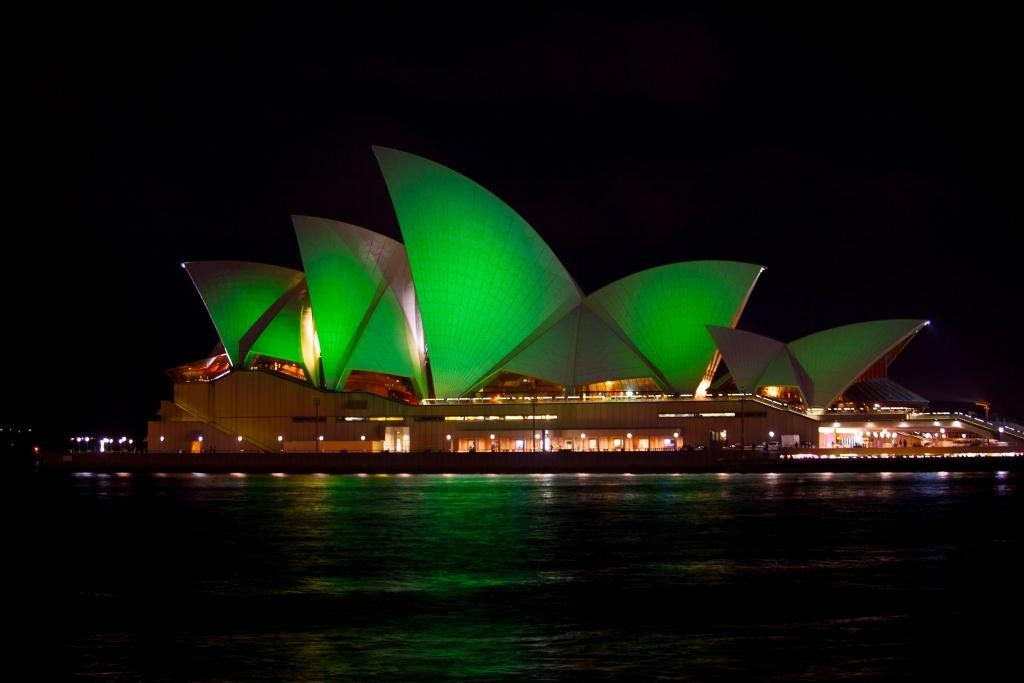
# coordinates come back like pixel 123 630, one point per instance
pixel 620 462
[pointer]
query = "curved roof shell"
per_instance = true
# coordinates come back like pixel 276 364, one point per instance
pixel 835 358
pixel 352 274
pixel 661 313
pixel 282 336
pixel 240 295
pixel 747 354
pixel 485 280
pixel 822 364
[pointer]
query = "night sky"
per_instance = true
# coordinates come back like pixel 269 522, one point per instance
pixel 870 161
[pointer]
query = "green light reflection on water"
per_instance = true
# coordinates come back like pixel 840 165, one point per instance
pixel 445 553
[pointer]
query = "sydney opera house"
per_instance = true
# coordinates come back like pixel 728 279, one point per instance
pixel 470 335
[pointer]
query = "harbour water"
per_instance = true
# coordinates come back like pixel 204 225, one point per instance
pixel 905 576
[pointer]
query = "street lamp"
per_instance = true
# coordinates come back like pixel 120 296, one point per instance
pixel 451 444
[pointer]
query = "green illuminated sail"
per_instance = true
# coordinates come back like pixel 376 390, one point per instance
pixel 384 345
pixel 290 335
pixel 238 294
pixel 662 312
pixel 282 337
pixel 348 272
pixel 835 358
pixel 485 280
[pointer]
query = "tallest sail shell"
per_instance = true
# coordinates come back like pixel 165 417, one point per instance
pixel 485 280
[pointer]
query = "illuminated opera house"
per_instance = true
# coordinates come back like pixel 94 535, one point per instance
pixel 472 336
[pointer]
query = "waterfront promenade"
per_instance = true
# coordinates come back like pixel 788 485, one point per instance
pixel 636 462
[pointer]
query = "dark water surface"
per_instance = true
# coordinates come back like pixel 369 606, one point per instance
pixel 692 577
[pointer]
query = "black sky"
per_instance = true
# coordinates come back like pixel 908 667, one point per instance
pixel 870 160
